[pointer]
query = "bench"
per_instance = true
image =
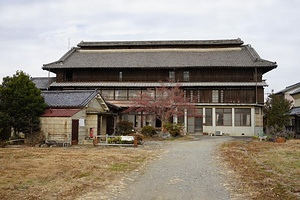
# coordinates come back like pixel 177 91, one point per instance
pixel 57 139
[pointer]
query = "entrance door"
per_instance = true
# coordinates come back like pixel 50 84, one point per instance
pixel 99 125
pixel 110 125
pixel 198 124
pixel 195 124
pixel 75 125
pixel 191 124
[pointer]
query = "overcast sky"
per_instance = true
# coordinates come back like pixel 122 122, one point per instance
pixel 35 32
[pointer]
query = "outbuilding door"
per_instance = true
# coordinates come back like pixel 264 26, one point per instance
pixel 75 126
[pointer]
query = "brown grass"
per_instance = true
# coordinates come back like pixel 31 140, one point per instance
pixel 266 170
pixel 64 173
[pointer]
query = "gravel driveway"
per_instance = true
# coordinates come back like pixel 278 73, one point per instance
pixel 188 170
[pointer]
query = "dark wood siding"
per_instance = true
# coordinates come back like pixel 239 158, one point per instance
pixel 155 75
pixel 199 95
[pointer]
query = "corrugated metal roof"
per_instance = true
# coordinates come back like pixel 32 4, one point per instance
pixel 156 84
pixel 60 112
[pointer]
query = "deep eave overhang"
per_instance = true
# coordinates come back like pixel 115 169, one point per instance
pixel 157 84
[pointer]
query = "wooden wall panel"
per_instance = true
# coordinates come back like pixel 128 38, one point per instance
pixel 155 75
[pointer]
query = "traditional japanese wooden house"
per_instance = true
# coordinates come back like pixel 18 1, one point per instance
pixel 224 79
pixel 76 116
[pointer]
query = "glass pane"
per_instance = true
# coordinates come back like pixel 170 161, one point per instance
pixel 108 94
pixel 208 116
pixel 121 95
pixel 242 117
pixel 133 94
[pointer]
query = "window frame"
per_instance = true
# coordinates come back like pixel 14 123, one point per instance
pixel 172 76
pixel 242 118
pixel 223 116
pixel 186 76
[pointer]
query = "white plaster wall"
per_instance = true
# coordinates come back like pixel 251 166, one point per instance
pixel 95 106
pixel 225 129
pixel 208 129
pixel 297 100
pixel 239 131
pixel 232 131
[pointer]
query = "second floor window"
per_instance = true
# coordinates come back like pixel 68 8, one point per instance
pixel 120 76
pixel 69 75
pixel 215 96
pixel 186 76
pixel 171 76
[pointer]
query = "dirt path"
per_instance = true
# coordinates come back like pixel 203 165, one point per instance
pixel 188 170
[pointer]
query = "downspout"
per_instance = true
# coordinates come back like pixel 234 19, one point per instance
pixel 255 85
pixel 48 79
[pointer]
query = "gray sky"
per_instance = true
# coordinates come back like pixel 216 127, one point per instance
pixel 35 32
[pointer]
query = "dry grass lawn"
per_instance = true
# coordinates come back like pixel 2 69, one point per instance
pixel 266 170
pixel 65 173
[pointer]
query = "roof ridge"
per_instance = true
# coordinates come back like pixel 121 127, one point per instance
pixel 237 41
pixel 89 98
pixel 64 57
pixel 254 55
pixel 68 91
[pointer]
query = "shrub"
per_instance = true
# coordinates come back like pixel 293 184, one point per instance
pixel 148 131
pixel 5 133
pixel 114 140
pixel 124 128
pixel 2 143
pixel 174 129
pixel 277 131
pixel 34 138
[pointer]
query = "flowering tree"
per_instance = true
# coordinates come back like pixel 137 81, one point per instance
pixel 164 102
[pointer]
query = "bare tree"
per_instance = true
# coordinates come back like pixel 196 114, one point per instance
pixel 165 102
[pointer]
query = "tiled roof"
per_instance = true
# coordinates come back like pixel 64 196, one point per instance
pixel 296 92
pixel 60 112
pixel 68 99
pixel 43 82
pixel 234 55
pixel 291 88
pixel 295 111
pixel 155 84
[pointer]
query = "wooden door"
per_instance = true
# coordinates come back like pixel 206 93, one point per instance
pixel 75 126
pixel 110 125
